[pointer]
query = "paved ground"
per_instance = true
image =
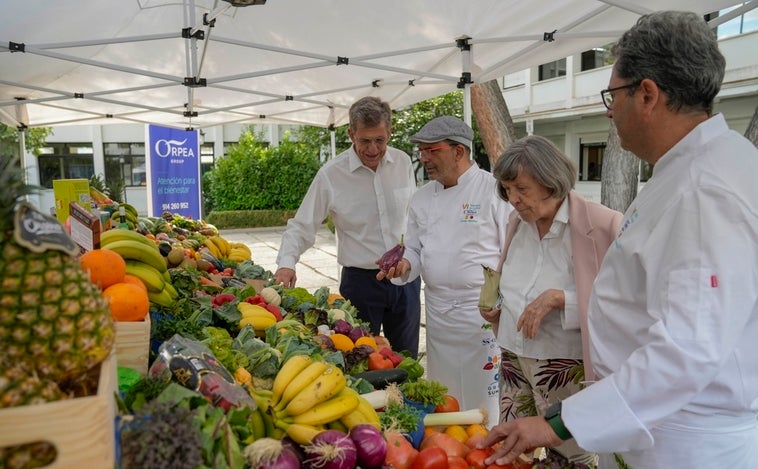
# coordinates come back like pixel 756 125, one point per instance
pixel 318 265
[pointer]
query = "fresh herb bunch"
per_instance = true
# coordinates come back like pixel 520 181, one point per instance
pixel 424 391
pixel 399 417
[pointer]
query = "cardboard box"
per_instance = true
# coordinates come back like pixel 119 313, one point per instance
pixel 85 227
pixel 66 191
pixel 81 429
pixel 133 344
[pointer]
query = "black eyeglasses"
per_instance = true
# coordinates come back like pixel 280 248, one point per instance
pixel 607 94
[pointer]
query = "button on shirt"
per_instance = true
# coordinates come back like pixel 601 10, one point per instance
pixel 369 209
pixel 532 266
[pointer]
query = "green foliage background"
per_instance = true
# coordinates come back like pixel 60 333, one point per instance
pixel 255 177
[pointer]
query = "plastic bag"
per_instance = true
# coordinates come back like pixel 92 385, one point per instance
pixel 490 293
pixel 193 365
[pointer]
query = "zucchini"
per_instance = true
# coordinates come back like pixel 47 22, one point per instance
pixel 381 378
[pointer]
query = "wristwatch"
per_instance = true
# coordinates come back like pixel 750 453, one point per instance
pixel 553 417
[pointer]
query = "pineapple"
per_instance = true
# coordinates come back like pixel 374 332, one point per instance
pixel 53 321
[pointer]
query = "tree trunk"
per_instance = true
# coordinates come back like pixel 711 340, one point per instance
pixel 620 174
pixel 752 128
pixel 492 118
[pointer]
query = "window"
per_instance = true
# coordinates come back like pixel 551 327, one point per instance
pixel 597 57
pixel 552 70
pixel 207 157
pixel 591 161
pixel 65 161
pixel 739 25
pixel 125 162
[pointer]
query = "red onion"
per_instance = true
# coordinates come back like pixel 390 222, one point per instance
pixel 370 445
pixel 330 449
pixel 268 453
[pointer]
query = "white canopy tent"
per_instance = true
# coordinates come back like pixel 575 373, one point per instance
pixel 201 63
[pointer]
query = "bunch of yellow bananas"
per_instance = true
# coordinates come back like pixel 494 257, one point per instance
pixel 309 396
pixel 223 249
pixel 144 261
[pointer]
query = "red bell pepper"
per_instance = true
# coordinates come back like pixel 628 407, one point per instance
pixel 256 300
pixel 222 299
pixel 392 356
pixel 274 310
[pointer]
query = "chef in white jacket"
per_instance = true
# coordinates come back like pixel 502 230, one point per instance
pixel 456 224
pixel 673 317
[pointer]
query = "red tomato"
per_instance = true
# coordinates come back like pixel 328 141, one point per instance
pixel 457 463
pixel 400 452
pixel 475 458
pixel 431 458
pixel 450 405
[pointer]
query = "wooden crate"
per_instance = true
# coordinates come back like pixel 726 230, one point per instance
pixel 81 429
pixel 133 344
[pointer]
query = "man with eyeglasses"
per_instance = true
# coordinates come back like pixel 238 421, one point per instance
pixel 366 190
pixel 456 224
pixel 673 315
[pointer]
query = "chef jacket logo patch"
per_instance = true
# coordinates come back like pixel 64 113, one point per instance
pixel 470 213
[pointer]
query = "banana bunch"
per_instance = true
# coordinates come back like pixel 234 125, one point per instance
pixel 144 261
pixel 256 316
pixel 130 214
pixel 307 397
pixel 223 249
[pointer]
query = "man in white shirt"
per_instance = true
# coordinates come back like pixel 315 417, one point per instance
pixel 673 316
pixel 456 224
pixel 366 190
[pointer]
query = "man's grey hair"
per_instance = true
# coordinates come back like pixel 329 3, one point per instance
pixel 542 160
pixel 370 111
pixel 679 52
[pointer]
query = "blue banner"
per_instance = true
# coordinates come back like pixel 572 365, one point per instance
pixel 173 170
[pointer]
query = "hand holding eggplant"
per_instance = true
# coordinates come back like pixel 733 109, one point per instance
pixel 390 264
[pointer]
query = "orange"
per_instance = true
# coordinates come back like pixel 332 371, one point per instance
pixel 128 302
pixel 129 278
pixel 105 267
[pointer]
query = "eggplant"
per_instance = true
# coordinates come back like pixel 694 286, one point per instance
pixel 380 379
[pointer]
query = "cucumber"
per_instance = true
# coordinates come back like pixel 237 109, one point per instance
pixel 381 378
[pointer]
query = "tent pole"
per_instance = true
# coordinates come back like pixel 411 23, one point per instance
pixel 465 81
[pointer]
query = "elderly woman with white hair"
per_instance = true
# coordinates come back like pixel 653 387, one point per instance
pixel 554 246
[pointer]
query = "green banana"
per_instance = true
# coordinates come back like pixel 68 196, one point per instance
pixel 134 250
pixel 110 236
pixel 161 298
pixel 149 275
pixel 257 425
pixel 171 290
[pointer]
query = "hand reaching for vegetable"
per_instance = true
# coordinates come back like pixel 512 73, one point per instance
pixel 403 266
pixel 519 436
pixel 531 318
pixel 285 277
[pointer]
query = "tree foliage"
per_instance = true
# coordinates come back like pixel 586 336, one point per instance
pixel 34 139
pixel 255 177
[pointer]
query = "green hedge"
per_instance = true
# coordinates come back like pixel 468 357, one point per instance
pixel 249 218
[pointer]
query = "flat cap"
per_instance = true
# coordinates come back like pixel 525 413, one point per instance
pixel 445 128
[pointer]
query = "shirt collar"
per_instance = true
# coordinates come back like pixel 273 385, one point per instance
pixel 355 161
pixel 692 142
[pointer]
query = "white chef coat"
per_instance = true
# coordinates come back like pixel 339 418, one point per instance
pixel 369 209
pixel 533 266
pixel 673 317
pixel 451 234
